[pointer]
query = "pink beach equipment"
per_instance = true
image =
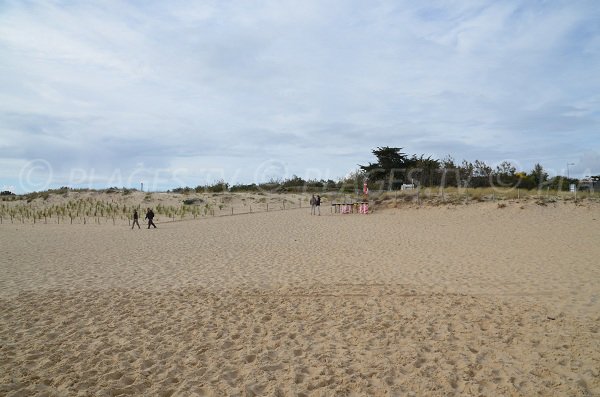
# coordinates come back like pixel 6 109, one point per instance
pixel 364 208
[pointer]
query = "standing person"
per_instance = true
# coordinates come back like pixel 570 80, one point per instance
pixel 318 204
pixel 135 219
pixel 313 205
pixel 150 216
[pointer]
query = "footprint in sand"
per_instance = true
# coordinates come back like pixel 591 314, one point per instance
pixel 419 363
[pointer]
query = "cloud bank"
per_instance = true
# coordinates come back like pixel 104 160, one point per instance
pixel 117 92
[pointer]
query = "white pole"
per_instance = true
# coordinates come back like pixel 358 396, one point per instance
pixel 568 164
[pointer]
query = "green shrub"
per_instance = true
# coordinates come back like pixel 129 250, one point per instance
pixel 193 201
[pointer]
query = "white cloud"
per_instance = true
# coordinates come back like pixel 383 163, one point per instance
pixel 228 86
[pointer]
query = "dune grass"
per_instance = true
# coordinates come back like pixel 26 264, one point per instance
pixel 104 209
pixel 453 195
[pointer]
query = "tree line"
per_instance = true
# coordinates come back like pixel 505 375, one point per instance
pixel 390 171
pixel 394 168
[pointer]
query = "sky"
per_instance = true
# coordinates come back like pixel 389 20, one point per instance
pixel 176 93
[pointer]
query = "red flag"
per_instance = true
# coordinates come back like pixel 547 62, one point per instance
pixel 365 188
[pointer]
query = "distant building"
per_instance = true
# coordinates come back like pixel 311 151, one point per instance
pixel 591 183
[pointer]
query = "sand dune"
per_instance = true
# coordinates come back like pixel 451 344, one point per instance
pixel 462 300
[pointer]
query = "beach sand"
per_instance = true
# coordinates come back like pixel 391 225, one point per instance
pixel 449 300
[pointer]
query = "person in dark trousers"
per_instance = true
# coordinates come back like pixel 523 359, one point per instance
pixel 135 219
pixel 318 204
pixel 313 204
pixel 150 216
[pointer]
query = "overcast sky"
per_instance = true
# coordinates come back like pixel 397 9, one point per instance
pixel 185 93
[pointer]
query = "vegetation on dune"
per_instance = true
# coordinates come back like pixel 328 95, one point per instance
pixel 393 168
pixel 107 206
pixel 101 209
pixel 431 181
pixel 295 184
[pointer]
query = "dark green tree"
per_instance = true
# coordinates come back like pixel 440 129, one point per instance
pixel 466 170
pixel 449 171
pixel 504 175
pixel 539 175
pixel 425 171
pixel 482 174
pixel 390 169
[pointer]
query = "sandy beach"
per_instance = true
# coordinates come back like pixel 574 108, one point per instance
pixel 447 300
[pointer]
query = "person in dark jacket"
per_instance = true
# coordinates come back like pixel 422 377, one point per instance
pixel 318 204
pixel 150 216
pixel 135 219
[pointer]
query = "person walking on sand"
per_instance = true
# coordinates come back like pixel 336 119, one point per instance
pixel 313 205
pixel 135 220
pixel 318 204
pixel 150 216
